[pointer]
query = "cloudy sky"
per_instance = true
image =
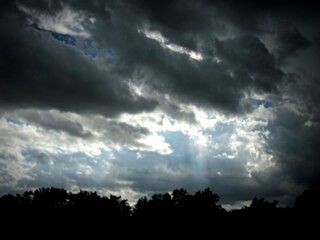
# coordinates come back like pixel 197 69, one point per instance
pixel 136 97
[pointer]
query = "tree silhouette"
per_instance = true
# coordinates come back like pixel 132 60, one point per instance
pixel 308 202
pixel 179 205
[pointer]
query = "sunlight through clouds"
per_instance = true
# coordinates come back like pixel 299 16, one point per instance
pixel 64 21
pixel 134 97
pixel 157 36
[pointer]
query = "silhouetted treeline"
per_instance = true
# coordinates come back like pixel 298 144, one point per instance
pixel 180 204
pixel 48 201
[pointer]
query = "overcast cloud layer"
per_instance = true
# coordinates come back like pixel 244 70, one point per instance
pixel 138 97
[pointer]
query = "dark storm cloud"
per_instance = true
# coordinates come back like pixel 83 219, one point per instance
pixel 32 60
pixel 295 144
pixel 186 23
pixel 37 71
pixel 290 42
pixel 216 16
pixel 249 58
pixel 41 68
pixel 55 75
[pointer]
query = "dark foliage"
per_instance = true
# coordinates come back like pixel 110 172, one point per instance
pixel 179 206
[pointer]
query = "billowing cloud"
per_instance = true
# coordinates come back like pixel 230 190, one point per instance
pixel 136 97
pixel 55 75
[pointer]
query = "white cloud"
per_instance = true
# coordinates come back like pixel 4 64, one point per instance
pixel 164 42
pixel 243 140
pixel 66 21
pixel 156 143
pixel 236 205
pixel 217 143
pixel 56 132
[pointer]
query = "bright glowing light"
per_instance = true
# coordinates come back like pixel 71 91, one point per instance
pixel 164 42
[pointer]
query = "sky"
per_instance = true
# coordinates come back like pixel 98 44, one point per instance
pixel 136 97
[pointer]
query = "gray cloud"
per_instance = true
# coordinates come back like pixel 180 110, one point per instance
pixel 294 144
pixel 104 89
pixel 290 42
pixel 252 63
pixel 38 71
pixel 70 69
pixel 52 121
pixel 84 127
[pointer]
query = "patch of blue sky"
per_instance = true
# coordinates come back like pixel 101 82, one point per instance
pixel 183 156
pixel 88 48
pixel 64 38
pixel 15 120
pixel 85 45
pixel 221 128
pixel 259 102
pixel 109 53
